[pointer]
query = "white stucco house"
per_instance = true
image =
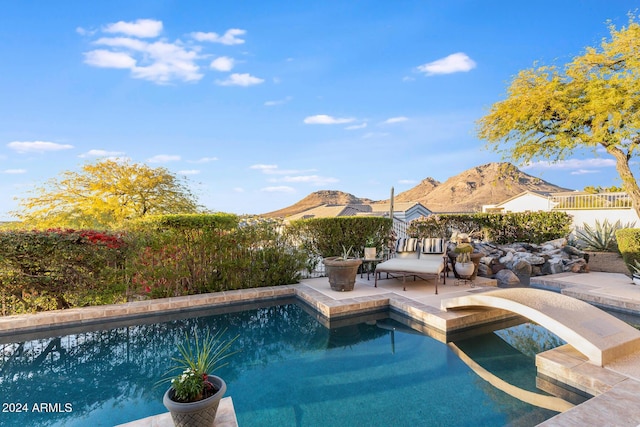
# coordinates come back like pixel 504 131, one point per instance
pixel 525 201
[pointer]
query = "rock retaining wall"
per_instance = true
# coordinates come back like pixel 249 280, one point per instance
pixel 513 264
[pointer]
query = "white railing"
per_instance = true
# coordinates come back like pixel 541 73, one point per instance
pixel 618 200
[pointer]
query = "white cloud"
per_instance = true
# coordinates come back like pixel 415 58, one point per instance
pixel 139 28
pixel 408 79
pixel 189 172
pixel 223 63
pixel 264 168
pixel 37 146
pixel 204 160
pixel 108 59
pixel 393 120
pixel 230 37
pixel 323 119
pixel 101 153
pixel 375 135
pixel 238 189
pixel 163 158
pixel 236 79
pixel 583 172
pixel 278 189
pixel 571 164
pixel 406 181
pixel 14 171
pixel 278 102
pixel 160 62
pixel 124 42
pixel 355 127
pixel 454 63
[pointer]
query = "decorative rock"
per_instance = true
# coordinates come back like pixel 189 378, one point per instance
pixel 558 243
pixel 507 258
pixel 535 260
pixel 522 268
pixel 573 251
pixel 483 270
pixel 507 278
pixel 553 266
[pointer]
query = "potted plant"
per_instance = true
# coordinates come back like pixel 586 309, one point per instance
pixel 370 249
pixel 635 275
pixel 195 393
pixel 464 265
pixel 342 270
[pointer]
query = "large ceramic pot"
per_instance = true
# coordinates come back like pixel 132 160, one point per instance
pixel 200 413
pixel 342 272
pixel 465 269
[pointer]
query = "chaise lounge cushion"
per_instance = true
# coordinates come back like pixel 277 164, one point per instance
pixel 423 265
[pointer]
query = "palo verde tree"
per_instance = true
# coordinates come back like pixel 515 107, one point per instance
pixel 103 194
pixel 593 103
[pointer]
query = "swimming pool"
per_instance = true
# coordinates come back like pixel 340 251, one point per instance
pixel 292 371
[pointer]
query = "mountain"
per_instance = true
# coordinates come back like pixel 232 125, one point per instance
pixel 466 192
pixel 319 198
pixel 482 185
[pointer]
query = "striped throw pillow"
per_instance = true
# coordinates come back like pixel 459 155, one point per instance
pixel 406 245
pixel 432 245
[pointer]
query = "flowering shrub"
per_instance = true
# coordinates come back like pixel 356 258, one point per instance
pixel 59 268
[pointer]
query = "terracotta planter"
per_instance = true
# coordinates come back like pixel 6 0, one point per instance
pixel 342 273
pixel 200 413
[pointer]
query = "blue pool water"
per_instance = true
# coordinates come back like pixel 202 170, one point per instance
pixel 291 371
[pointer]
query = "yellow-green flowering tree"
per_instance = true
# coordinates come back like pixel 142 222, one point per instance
pixel 592 103
pixel 103 194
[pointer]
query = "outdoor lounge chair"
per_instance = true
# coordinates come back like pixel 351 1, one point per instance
pixel 417 259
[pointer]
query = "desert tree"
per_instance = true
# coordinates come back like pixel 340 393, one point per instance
pixel 592 103
pixel 103 195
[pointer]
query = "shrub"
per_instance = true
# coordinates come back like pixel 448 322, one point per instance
pixel 601 237
pixel 534 227
pixel 629 245
pixel 60 268
pixel 208 253
pixel 327 236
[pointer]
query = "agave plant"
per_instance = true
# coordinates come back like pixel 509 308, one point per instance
pixel 601 237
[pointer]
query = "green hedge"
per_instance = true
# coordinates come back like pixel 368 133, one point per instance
pixel 327 236
pixel 190 254
pixel 532 227
pixel 629 245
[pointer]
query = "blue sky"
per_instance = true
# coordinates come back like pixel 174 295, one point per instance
pixel 259 103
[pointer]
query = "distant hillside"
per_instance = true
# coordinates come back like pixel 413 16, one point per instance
pixel 482 185
pixel 319 198
pixel 465 192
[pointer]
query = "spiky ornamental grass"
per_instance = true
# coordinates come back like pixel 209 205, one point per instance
pixel 601 237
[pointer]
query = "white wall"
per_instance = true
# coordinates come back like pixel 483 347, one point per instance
pixel 527 202
pixel 589 216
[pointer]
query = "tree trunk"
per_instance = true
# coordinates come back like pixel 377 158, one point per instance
pixel 628 180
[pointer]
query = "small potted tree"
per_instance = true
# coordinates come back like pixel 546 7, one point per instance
pixel 195 394
pixel 342 270
pixel 464 265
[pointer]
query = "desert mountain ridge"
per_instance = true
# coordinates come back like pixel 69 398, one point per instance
pixel 466 192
